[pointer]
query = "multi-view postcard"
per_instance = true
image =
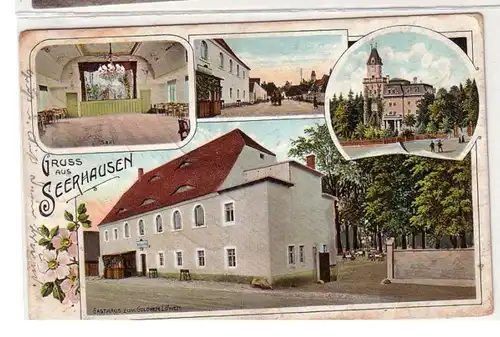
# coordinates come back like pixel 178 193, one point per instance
pixel 310 169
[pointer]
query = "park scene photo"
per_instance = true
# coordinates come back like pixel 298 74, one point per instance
pixel 403 92
pixel 256 76
pixel 119 93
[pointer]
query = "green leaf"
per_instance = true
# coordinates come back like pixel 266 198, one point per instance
pixel 44 231
pixel 83 217
pixel 87 224
pixel 71 226
pixel 82 209
pixel 58 293
pixel 47 289
pixel 68 216
pixel 54 231
pixel 43 242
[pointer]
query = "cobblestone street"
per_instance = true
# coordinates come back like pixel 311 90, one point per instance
pixel 287 108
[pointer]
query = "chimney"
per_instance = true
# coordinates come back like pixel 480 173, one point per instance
pixel 311 161
pixel 140 173
pixel 414 80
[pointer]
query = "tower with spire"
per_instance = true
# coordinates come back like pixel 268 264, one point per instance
pixel 373 83
pixel 313 76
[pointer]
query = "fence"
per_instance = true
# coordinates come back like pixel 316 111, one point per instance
pixel 364 142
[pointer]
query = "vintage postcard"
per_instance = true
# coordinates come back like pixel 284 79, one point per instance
pixel 320 169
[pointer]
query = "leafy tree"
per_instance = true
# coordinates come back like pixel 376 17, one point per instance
pixel 423 111
pixel 410 121
pixel 341 121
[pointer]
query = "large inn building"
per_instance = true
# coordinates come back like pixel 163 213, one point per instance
pixel 226 208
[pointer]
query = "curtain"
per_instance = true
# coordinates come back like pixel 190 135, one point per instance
pixel 92 67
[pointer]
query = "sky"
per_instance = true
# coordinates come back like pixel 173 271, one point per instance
pixel 404 55
pixel 279 58
pixel 275 135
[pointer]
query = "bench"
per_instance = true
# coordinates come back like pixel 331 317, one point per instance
pixel 153 273
pixel 185 275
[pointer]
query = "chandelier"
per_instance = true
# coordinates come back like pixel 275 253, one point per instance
pixel 111 71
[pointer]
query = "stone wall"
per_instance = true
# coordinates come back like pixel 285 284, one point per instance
pixel 430 264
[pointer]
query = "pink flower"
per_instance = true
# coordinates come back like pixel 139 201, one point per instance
pixel 55 265
pixel 66 240
pixel 70 286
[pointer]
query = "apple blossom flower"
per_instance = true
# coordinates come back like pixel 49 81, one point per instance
pixel 70 286
pixel 55 265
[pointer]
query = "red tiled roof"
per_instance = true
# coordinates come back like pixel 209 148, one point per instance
pixel 199 172
pixel 224 45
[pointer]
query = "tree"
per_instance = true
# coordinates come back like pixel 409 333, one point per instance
pixel 341 121
pixel 422 118
pixel 410 121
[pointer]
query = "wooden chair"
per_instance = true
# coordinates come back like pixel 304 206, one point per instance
pixel 183 128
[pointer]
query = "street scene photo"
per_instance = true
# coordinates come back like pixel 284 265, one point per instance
pixel 120 93
pixel 178 232
pixel 408 91
pixel 278 75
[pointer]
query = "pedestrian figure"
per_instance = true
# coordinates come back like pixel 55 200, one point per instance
pixel 315 102
pixel 440 146
pixel 432 146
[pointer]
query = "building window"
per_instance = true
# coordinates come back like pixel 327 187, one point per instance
pixel 244 94
pixel 221 60
pixel 409 102
pixel 106 236
pixel 126 230
pixel 230 66
pixel 142 230
pixel 238 70
pixel 204 50
pixel 261 156
pixel 238 93
pixel 231 257
pixel 199 216
pixel 200 254
pixel 177 220
pixel 325 248
pixel 161 259
pixel 291 254
pixel 409 111
pixel 243 74
pixel 115 233
pixel 229 212
pixel 230 92
pixel 178 259
pixel 159 224
pixel 302 254
pixel 172 91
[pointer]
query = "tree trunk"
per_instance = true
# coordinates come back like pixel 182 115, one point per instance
pixel 404 244
pixel 463 240
pixel 423 243
pixel 379 239
pixel 347 243
pixel 454 242
pixel 413 234
pixel 355 243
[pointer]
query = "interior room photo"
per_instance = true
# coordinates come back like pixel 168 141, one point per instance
pixel 121 93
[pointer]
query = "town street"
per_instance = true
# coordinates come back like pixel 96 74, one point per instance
pixel 287 108
pixel 127 294
pixel 451 147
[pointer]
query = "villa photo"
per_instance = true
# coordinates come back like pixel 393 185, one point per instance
pixel 416 95
pixel 119 93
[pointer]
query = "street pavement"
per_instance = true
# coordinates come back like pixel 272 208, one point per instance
pixel 287 108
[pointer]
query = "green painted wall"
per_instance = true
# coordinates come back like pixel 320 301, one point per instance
pixel 101 108
pixel 72 104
